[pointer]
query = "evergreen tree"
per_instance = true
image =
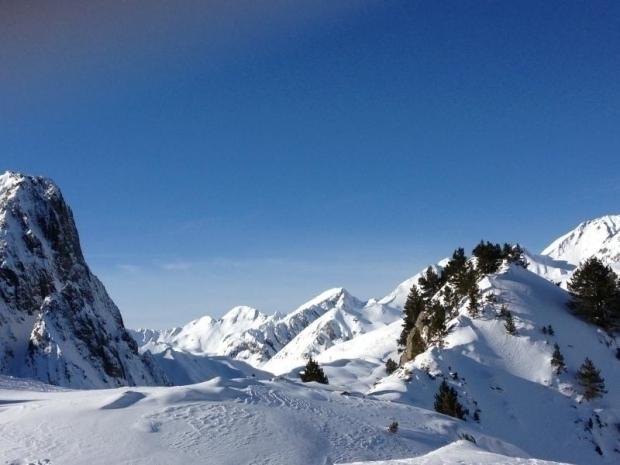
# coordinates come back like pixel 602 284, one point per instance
pixel 390 366
pixel 515 254
pixel 465 280
pixel 447 402
pixel 437 324
pixel 455 265
pixel 589 377
pixel 313 372
pixel 557 360
pixel 550 330
pixel 474 302
pixel 414 306
pixel 489 257
pixel 595 293
pixel 510 323
pixel 393 427
pixel 430 283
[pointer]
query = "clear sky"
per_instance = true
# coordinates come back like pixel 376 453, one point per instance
pixel 219 153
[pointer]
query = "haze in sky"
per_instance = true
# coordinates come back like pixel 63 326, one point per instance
pixel 258 152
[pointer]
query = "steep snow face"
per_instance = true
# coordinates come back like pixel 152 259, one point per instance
pixel 599 237
pixel 348 319
pixel 228 422
pixel 510 378
pixel 57 323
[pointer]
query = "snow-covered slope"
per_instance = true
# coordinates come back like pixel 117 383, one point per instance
pixel 599 237
pixel 510 379
pixel 460 453
pixel 227 422
pixel 57 323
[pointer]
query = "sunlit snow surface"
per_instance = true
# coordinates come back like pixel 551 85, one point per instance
pixel 221 422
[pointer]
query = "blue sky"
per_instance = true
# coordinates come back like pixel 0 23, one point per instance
pixel 260 153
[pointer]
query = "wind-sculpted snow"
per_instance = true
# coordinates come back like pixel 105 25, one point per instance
pixel 461 453
pixel 57 323
pixel 510 378
pixel 225 422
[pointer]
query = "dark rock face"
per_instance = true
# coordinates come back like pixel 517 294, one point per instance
pixel 57 322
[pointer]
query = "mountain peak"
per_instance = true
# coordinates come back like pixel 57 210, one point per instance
pixel 599 237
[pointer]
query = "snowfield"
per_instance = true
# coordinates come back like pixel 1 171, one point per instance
pixel 226 422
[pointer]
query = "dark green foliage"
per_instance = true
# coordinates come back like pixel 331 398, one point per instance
pixel 595 293
pixel 515 254
pixel 430 283
pixel 589 377
pixel 465 280
pixel 474 302
pixel 413 307
pixel 390 366
pixel 503 311
pixel 489 257
pixel 393 427
pixel 313 372
pixel 447 401
pixel 557 360
pixel 455 265
pixel 437 322
pixel 510 323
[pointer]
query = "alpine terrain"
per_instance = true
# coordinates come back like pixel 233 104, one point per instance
pixel 495 357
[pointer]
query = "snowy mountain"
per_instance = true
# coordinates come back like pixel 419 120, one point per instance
pixel 246 334
pixel 205 335
pixel 348 319
pixel 57 323
pixel 509 378
pixel 599 237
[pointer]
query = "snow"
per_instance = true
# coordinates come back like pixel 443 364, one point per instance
pixel 599 237
pixel 460 453
pixel 509 378
pixel 237 397
pixel 223 422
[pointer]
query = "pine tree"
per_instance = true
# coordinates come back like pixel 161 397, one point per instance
pixel 414 306
pixel 437 324
pixel 515 254
pixel 465 280
pixel 489 257
pixel 589 377
pixel 313 372
pixel 455 265
pixel 595 293
pixel 557 360
pixel 390 366
pixel 550 330
pixel 474 302
pixel 430 283
pixel 447 402
pixel 510 323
